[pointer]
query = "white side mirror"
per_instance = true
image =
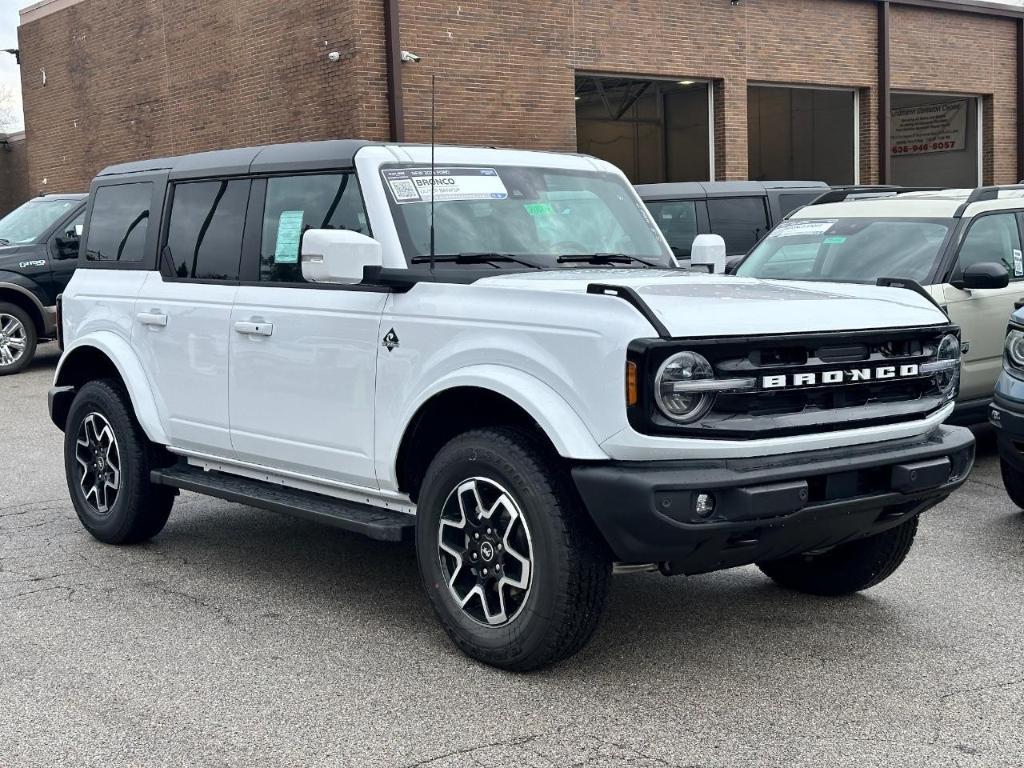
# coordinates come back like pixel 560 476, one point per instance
pixel 708 251
pixel 338 255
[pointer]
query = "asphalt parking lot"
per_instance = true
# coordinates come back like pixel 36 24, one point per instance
pixel 239 637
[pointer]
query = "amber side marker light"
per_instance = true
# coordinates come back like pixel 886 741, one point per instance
pixel 631 397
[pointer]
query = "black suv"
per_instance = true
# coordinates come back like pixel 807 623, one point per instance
pixel 38 255
pixel 740 211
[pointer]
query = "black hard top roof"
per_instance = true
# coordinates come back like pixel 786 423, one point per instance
pixel 310 155
pixel 700 189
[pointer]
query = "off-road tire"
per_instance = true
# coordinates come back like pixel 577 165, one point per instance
pixel 1013 481
pixel 571 563
pixel 31 339
pixel 140 509
pixel 847 568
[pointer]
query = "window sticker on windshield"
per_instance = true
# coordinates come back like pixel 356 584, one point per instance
pixel 1018 263
pixel 539 209
pixel 798 228
pixel 413 185
pixel 834 240
pixel 289 234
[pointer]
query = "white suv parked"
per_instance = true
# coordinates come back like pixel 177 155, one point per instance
pixel 514 374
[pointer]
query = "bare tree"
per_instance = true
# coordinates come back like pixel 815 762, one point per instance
pixel 10 111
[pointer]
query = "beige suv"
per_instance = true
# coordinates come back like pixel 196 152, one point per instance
pixel 962 245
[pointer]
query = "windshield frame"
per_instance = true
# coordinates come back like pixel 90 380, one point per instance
pixel 74 207
pixel 663 260
pixel 935 272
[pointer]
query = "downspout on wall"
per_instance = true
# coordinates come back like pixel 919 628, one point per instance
pixel 884 94
pixel 393 44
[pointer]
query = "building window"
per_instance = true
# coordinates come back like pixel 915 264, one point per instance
pixel 806 134
pixel 654 130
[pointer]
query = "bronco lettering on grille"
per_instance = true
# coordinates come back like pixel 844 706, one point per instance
pixel 841 376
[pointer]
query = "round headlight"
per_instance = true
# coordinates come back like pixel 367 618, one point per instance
pixel 948 380
pixel 1015 348
pixel 677 403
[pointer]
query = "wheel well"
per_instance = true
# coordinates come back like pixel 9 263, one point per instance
pixel 81 365
pixel 448 414
pixel 19 299
pixel 86 364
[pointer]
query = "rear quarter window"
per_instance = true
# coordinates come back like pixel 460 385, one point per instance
pixel 119 224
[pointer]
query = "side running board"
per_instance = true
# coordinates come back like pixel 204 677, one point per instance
pixel 379 524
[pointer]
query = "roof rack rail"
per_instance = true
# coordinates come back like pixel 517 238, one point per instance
pixel 985 193
pixel 838 194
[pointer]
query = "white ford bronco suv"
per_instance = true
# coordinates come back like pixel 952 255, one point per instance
pixel 511 371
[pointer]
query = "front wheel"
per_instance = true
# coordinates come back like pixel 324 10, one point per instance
pixel 847 568
pixel 512 566
pixel 17 339
pixel 1013 481
pixel 107 460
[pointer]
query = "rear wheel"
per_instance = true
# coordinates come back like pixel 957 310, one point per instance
pixel 17 339
pixel 511 564
pixel 1013 481
pixel 847 568
pixel 107 460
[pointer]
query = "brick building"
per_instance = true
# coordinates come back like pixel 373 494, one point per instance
pixel 667 89
pixel 14 189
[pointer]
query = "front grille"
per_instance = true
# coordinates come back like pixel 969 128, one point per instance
pixel 796 388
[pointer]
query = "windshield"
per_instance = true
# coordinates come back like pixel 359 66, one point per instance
pixel 848 250
pixel 537 214
pixel 27 223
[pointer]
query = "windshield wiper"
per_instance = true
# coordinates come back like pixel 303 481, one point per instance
pixel 474 258
pixel 604 258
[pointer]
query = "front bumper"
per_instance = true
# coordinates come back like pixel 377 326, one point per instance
pixel 770 507
pixel 1006 414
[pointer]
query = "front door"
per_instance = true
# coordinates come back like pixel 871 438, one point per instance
pixel 183 313
pixel 63 249
pixel 303 357
pixel 982 314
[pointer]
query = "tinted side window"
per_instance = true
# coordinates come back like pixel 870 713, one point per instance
pixel 297 203
pixel 739 220
pixel 204 236
pixel 119 223
pixel 790 201
pixel 677 220
pixel 992 238
pixel 66 241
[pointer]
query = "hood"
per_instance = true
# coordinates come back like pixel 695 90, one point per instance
pixel 11 256
pixel 694 304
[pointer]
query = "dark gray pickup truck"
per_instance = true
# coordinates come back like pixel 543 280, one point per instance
pixel 38 255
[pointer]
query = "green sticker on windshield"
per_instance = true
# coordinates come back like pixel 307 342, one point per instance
pixel 834 240
pixel 539 209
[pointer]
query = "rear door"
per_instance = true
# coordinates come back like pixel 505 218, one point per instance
pixel 680 221
pixel 741 221
pixel 303 356
pixel 183 312
pixel 982 314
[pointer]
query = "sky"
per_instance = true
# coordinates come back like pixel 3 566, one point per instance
pixel 10 76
